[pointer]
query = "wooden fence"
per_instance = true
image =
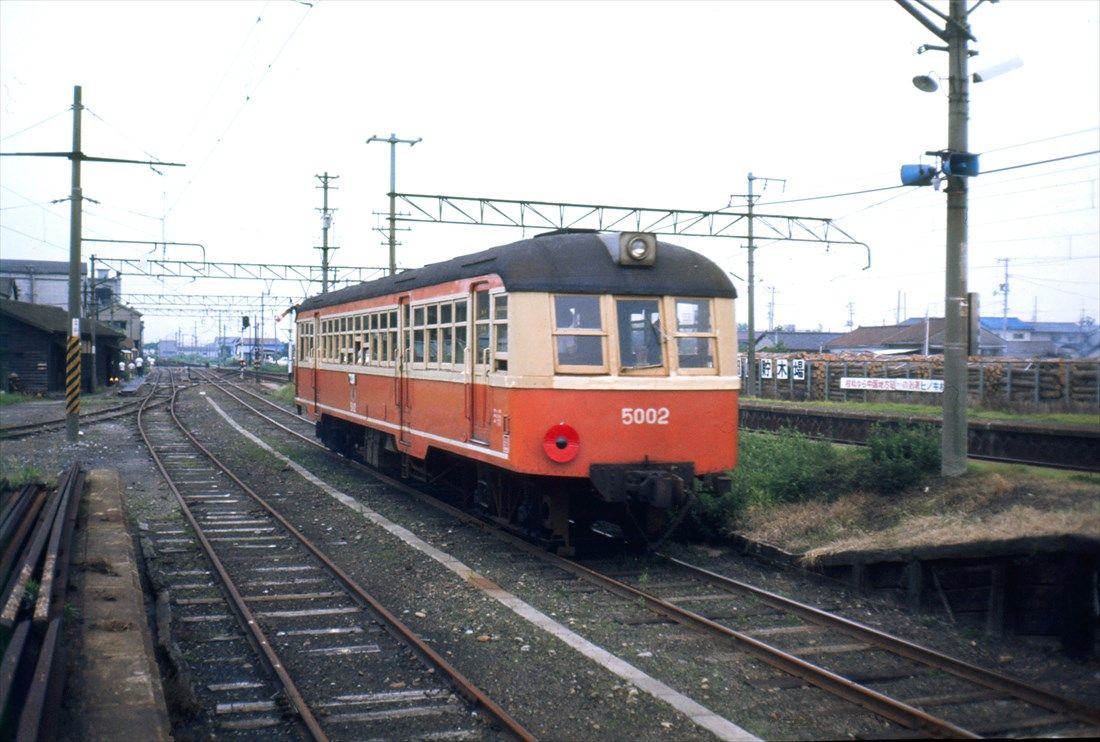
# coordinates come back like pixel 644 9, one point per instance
pixel 1030 384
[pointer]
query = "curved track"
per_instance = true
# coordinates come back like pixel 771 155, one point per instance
pixel 919 690
pixel 268 588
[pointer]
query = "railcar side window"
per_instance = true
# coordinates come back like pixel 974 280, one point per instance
pixel 305 340
pixel 500 332
pixel 579 338
pixel 695 336
pixel 641 344
pixel 460 332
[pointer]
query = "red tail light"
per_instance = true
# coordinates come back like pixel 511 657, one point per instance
pixel 561 443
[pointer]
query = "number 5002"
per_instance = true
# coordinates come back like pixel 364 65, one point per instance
pixel 645 416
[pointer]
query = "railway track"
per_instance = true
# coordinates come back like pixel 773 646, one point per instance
pixel 914 690
pixel 918 688
pixel 1010 443
pixel 279 638
pixel 8 432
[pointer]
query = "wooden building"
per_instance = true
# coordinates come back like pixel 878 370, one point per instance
pixel 32 348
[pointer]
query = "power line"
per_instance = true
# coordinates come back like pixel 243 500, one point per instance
pixel 895 187
pixel 32 126
pixel 1041 162
pixel 1044 139
pixel 248 97
pixel 32 237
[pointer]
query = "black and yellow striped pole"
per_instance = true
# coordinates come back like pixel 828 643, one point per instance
pixel 72 382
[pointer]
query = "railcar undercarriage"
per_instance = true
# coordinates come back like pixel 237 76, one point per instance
pixel 638 505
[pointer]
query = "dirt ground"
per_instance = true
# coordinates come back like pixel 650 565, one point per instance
pixel 992 502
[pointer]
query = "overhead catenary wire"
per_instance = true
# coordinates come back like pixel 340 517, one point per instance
pixel 34 126
pixel 897 187
pixel 247 99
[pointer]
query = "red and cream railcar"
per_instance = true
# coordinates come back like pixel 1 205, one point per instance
pixel 570 378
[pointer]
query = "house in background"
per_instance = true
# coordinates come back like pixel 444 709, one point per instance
pixel 41 281
pixel 908 338
pixel 789 339
pixel 1046 339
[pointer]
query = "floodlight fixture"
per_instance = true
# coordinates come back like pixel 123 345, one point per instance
pixel 926 83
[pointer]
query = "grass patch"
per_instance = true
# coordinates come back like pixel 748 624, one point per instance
pixel 284 395
pixel 9 398
pixel 888 495
pixel 805 477
pixel 15 475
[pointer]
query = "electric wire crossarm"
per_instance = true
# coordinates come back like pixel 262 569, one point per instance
pixel 501 212
pixel 73 373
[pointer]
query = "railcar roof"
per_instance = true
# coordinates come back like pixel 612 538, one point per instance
pixel 570 262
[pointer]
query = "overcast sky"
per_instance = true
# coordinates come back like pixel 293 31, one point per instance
pixel 659 104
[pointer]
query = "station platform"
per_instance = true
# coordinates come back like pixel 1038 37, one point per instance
pixel 130 388
pixel 115 684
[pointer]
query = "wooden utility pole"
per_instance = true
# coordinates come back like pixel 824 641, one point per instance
pixel 72 351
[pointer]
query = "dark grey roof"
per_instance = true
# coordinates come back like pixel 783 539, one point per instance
pixel 574 262
pixel 50 318
pixel 40 267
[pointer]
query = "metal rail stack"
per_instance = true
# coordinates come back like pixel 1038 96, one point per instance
pixel 36 528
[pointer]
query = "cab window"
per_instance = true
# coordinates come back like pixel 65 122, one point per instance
pixel 641 345
pixel 579 337
pixel 695 336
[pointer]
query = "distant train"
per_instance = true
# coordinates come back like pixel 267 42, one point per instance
pixel 561 383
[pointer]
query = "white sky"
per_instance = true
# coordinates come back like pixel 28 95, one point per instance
pixel 659 104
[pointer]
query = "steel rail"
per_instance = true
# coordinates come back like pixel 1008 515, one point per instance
pixel 22 519
pixel 34 639
pixel 465 686
pixel 860 695
pixel 11 432
pixel 244 613
pixel 850 691
pixel 917 653
pixel 27 566
pixel 55 567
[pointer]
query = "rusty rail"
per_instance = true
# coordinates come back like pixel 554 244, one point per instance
pixel 37 533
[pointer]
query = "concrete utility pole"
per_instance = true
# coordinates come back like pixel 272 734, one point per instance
pixel 956 34
pixel 954 443
pixel 394 141
pixel 326 222
pixel 750 387
pixel 72 354
pixel 1003 290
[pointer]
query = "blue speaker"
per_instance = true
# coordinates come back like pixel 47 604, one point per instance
pixel 917 175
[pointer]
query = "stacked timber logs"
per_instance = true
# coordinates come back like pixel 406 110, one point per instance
pixel 1048 383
